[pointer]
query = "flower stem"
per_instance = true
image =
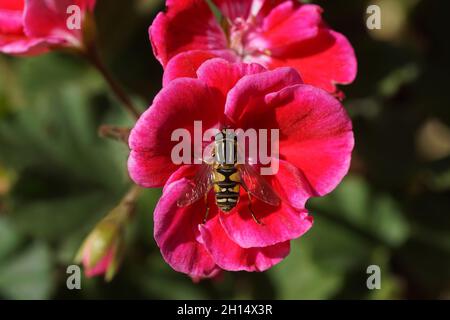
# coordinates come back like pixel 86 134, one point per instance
pixel 114 132
pixel 93 57
pixel 130 199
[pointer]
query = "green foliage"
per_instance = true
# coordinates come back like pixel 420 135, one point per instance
pixel 28 274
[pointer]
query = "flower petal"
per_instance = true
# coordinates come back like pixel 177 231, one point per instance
pixel 48 19
pixel 289 23
pixel 315 133
pixel 11 21
pixel 185 65
pixel 229 256
pixel 12 37
pixel 176 106
pixel 20 45
pixel 12 4
pixel 278 224
pixel 249 92
pixel 183 172
pixel 176 233
pixel 223 75
pixel 292 185
pixel 149 170
pixel 214 275
pixel 322 61
pixel 176 31
pixel 101 266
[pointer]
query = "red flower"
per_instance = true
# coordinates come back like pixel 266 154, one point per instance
pixel 273 33
pixel 316 141
pixel 30 27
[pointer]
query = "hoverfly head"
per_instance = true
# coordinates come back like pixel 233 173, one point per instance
pixel 225 147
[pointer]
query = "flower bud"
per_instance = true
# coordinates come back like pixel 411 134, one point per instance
pixel 100 251
pixel 103 249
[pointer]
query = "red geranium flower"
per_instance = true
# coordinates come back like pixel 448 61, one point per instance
pixel 272 33
pixel 30 27
pixel 316 141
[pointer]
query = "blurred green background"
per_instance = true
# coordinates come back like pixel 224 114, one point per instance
pixel 58 178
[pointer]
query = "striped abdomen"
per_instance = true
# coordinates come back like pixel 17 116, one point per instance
pixel 226 187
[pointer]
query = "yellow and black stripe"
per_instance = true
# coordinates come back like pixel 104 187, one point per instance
pixel 226 187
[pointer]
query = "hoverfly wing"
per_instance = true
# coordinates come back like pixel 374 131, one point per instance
pixel 257 186
pixel 197 187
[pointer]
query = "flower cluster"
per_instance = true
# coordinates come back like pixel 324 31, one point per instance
pixel 261 65
pixel 250 64
pixel 273 33
pixel 315 145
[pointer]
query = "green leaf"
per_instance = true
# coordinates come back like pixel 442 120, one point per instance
pixel 9 238
pixel 300 277
pixel 388 221
pixel 28 275
pixel 48 219
pixel 159 280
pixel 336 248
pixel 355 205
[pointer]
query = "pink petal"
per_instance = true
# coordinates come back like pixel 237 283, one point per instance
pixel 48 19
pixel 322 61
pixel 176 106
pixel 278 224
pixel 315 133
pixel 185 65
pixel 289 23
pixel 148 169
pixel 20 45
pixel 12 4
pixel 229 256
pixel 12 37
pixel 291 185
pixel 11 21
pixel 101 267
pixel 176 233
pixel 249 92
pixel 215 275
pixel 223 75
pixel 177 31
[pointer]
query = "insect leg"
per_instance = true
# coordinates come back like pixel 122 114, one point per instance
pixel 251 209
pixel 207 209
pixel 250 205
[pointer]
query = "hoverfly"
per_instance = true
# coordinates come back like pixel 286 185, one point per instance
pixel 226 176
